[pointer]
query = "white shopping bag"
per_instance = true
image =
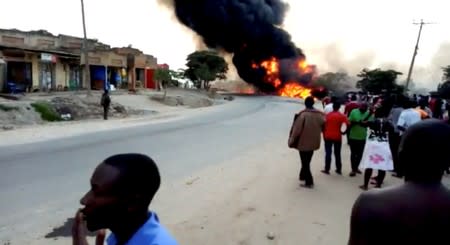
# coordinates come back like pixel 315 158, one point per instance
pixel 377 155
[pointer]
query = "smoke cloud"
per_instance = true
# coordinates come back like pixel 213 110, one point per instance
pixel 332 58
pixel 248 29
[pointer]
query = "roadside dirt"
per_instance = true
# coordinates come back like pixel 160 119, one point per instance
pixel 78 107
pixel 21 124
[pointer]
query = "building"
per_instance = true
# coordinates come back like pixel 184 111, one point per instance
pixel 41 61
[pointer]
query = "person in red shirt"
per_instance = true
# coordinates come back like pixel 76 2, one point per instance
pixel 353 104
pixel 332 135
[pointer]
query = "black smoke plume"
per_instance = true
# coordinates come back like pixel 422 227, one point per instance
pixel 249 29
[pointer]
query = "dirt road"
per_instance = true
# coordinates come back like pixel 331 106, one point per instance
pixel 256 195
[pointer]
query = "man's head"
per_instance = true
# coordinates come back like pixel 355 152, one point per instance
pixel 336 106
pixel 309 102
pixel 408 103
pixel 334 99
pixel 423 103
pixel 423 152
pixel 363 107
pixel 121 186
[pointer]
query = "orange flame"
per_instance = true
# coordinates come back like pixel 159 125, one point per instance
pixel 295 90
pixel 303 65
pixel 291 89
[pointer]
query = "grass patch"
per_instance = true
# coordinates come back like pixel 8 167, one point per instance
pixel 47 112
pixel 4 107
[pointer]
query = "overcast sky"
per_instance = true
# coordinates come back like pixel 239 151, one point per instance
pixel 346 34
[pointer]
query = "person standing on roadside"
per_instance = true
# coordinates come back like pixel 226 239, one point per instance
pixel 305 137
pixel 350 106
pixel 408 117
pixel 332 135
pixel 105 102
pixel 329 107
pixel 357 135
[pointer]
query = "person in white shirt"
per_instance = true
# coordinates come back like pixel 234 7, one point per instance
pixel 329 107
pixel 408 117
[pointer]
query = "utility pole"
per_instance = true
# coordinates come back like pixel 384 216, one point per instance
pixel 408 79
pixel 85 53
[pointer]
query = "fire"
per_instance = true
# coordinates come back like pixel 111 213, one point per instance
pixel 295 90
pixel 290 89
pixel 303 65
pixel 271 66
pixel 247 90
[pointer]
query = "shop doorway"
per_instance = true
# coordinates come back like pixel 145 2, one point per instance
pixel 47 78
pixel 98 77
pixel 140 77
pixel 75 76
pixel 18 76
pixel 117 76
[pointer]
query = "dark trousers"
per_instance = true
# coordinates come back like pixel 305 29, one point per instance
pixel 394 142
pixel 368 174
pixel 329 144
pixel 105 112
pixel 356 153
pixel 305 171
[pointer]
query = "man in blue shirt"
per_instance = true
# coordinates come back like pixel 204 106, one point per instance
pixel 122 188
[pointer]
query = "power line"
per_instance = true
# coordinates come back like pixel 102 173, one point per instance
pixel 421 23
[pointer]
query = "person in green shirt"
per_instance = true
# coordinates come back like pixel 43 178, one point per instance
pixel 359 119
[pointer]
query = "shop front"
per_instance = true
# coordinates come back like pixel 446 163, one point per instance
pixel 17 71
pixel 47 72
pixel 116 71
pixel 69 73
pixel 107 70
pixel 139 70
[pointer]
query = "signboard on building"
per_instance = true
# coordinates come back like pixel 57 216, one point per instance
pixel 48 57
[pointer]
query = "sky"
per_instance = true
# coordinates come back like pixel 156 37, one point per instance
pixel 335 35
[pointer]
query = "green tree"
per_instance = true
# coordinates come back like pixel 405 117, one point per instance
pixel 377 81
pixel 204 67
pixel 162 76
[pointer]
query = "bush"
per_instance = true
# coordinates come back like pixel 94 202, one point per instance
pixel 47 112
pixel 8 108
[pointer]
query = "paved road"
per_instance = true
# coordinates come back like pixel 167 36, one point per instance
pixel 41 183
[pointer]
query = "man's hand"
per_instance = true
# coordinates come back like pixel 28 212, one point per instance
pixel 79 232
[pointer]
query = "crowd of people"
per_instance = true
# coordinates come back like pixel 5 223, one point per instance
pixel 407 135
pixel 373 126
